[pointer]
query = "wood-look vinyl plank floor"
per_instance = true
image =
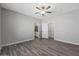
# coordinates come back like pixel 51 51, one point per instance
pixel 41 47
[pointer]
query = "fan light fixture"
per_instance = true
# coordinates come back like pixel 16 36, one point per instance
pixel 43 10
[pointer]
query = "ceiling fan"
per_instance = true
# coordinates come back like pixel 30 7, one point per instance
pixel 43 10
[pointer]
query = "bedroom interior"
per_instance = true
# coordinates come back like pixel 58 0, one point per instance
pixel 39 29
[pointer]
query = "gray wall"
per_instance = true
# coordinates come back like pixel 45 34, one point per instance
pixel 0 28
pixel 67 27
pixel 17 27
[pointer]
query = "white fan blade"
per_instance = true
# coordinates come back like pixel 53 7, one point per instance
pixel 48 7
pixel 48 12
pixel 38 8
pixel 36 12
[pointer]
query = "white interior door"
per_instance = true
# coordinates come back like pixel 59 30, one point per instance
pixel 51 30
pixel 44 30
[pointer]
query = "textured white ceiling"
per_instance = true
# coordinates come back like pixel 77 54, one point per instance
pixel 29 8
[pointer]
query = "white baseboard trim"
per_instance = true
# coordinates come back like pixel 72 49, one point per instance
pixel 66 42
pixel 3 45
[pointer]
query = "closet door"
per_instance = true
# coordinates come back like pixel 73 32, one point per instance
pixel 44 30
